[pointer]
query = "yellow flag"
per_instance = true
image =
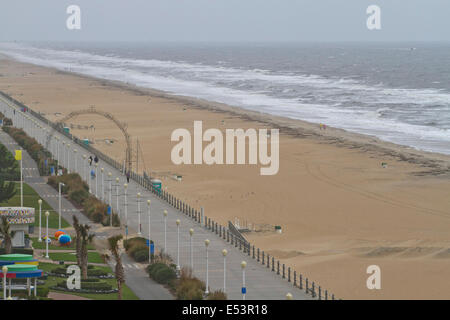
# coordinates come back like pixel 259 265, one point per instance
pixel 18 155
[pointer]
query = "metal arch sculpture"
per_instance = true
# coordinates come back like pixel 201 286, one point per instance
pixel 109 116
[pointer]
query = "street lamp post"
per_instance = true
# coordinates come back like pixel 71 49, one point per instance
pixel 63 154
pixel 59 193
pixel 84 170
pixel 46 237
pixel 102 197
pixel 139 212
pixel 125 186
pixel 244 290
pixel 117 196
pixel 178 245
pixel 75 156
pixel 207 267
pixel 68 158
pixel 191 233
pixel 165 230
pixel 110 188
pixel 5 271
pixel 57 153
pixel 149 230
pixel 40 213
pixel 96 181
pixel 224 253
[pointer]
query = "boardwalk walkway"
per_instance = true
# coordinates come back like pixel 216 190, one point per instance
pixel 260 282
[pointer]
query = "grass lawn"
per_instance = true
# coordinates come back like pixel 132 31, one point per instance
pixel 127 294
pixel 30 199
pixel 41 245
pixel 93 257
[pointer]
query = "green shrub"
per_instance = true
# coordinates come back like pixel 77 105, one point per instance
pixel 103 286
pixel 90 280
pixel 42 291
pixel 96 273
pixel 165 275
pixel 141 255
pixel 161 273
pixel 133 241
pixel 136 247
pixel 151 269
pixel 78 196
pixel 92 272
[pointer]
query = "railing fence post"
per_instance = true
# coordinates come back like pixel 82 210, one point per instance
pixel 307 286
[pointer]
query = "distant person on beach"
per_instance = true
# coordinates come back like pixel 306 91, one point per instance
pixel 128 176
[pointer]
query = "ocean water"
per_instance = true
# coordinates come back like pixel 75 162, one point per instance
pixel 397 92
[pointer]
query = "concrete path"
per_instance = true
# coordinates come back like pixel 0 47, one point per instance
pixel 39 184
pixel 260 282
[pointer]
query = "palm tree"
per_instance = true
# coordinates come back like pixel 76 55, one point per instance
pixel 115 252
pixel 76 226
pixel 86 238
pixel 7 234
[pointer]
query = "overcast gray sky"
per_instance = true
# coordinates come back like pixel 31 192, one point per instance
pixel 225 20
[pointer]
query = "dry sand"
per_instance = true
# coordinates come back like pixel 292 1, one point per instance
pixel 339 209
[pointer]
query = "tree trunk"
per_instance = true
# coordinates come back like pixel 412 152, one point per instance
pixel 84 262
pixel 119 287
pixel 8 245
pixel 78 249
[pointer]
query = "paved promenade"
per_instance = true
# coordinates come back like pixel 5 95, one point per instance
pixel 260 282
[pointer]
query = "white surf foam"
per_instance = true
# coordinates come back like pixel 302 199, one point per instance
pixel 256 90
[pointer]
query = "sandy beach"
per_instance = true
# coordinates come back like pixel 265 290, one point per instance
pixel 340 210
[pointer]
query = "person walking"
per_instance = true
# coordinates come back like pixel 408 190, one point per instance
pixel 90 160
pixel 128 176
pixel 96 159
